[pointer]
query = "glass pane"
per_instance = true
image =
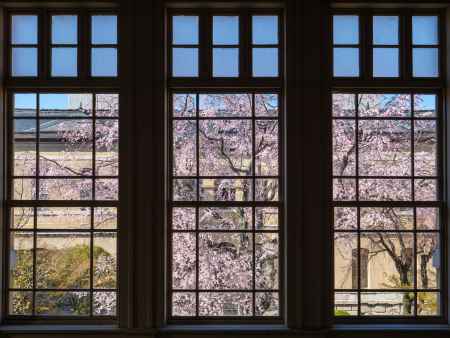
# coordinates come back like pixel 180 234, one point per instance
pixel 185 30
pixel 107 147
pixel 425 148
pixel 385 62
pixel 184 148
pixel 345 218
pixel 427 218
pixel 387 219
pixel 425 62
pixel 24 189
pixel 265 29
pixel 391 263
pixel 345 260
pixel 183 261
pixel 265 62
pixel 185 190
pixel 24 147
pixel 225 105
pixel 105 218
pixel 104 62
pixel 385 190
pixel 428 304
pixel 425 105
pixel 344 104
pixel 225 304
pixel 20 303
pixel 22 218
pixel 63 218
pixel 266 147
pixel 24 61
pixel 225 62
pixel 267 304
pixel 62 303
pixel 387 303
pixel 266 261
pixel 184 304
pixel 185 62
pixel 226 190
pixel 62 260
pixel 344 189
pixel 105 260
pixel 24 29
pixel 64 29
pixel 226 218
pixel 64 62
pixel 24 104
pixel 425 30
pixel 107 105
pixel 385 30
pixel 384 148
pixel 104 29
pixel 65 189
pixel 104 303
pixel 266 189
pixel 345 304
pixel 225 259
pixel 266 105
pixel 384 105
pixel 64 105
pixel 225 147
pixel 107 189
pixel 183 218
pixel 346 62
pixel 65 148
pixel 344 147
pixel 184 105
pixel 426 190
pixel 428 261
pixel 345 29
pixel 225 30
pixel 21 260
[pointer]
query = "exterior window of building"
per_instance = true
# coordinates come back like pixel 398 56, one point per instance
pixel 225 208
pixel 387 169
pixel 63 159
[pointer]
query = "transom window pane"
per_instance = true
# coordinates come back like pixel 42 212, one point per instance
pixel 386 59
pixel 346 50
pixel 386 199
pixel 24 45
pixel 62 245
pixel 225 35
pixel 265 62
pixel 425 52
pixel 345 29
pixel 225 205
pixel 104 46
pixel 64 39
pixel 385 30
pixel 185 40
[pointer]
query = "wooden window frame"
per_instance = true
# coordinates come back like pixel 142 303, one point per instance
pixel 244 83
pixel 405 83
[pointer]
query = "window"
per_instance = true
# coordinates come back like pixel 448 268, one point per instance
pixel 225 208
pixel 62 198
pixel 225 45
pixel 62 244
pixel 387 174
pixel 68 38
pixel 398 46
